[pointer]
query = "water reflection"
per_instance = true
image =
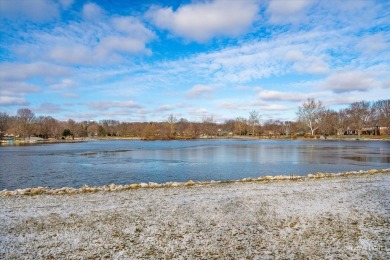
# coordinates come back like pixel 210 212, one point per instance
pixel 123 162
pixel 371 159
pixel 103 153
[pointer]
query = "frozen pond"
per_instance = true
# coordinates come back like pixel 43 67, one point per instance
pixel 124 162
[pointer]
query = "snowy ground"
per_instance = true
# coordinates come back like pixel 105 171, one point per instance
pixel 341 217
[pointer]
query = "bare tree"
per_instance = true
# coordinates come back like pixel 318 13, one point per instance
pixel 47 126
pixel 109 125
pixel 271 127
pixel 149 131
pixel 93 129
pixel 254 120
pixel 342 122
pixel 240 125
pixel 228 125
pixel 310 114
pixel 191 131
pixel 4 122
pixel 329 122
pixel 25 118
pixel 172 121
pixel 181 126
pixel 286 127
pixel 312 117
pixel 209 126
pixel 381 111
pixel 72 126
pixel 359 115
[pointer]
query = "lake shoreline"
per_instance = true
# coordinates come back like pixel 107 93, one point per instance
pixel 89 139
pixel 340 217
pixel 33 191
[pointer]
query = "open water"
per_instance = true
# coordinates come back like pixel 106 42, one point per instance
pixel 129 161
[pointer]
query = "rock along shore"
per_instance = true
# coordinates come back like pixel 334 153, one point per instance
pixel 316 217
pixel 114 187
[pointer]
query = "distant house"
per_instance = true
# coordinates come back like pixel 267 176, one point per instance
pixel 269 132
pixel 371 131
pixel 350 132
pixel 34 139
pixel 5 136
pixel 221 132
pixel 375 130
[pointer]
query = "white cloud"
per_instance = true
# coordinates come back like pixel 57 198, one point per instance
pixel 312 65
pixel 65 83
pixel 71 95
pixel 133 27
pixel 348 81
pixel 37 10
pixel 341 99
pixel 272 95
pixel 307 64
pixel 13 101
pixel 199 113
pixel 386 83
pixel 112 44
pixel 241 101
pixel 80 116
pixel 282 12
pixel 104 105
pixel 17 87
pixel 372 44
pixel 294 55
pixel 71 54
pixel 230 106
pixel 256 59
pixel 165 108
pixel 92 11
pixel 14 92
pixel 200 91
pixel 66 3
pixel 274 107
pixel 48 108
pixel 26 71
pixel 201 21
pixel 89 43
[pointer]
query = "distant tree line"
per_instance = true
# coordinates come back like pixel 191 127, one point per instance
pixel 372 118
pixel 313 118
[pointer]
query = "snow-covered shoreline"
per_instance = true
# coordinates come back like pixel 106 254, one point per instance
pixel 344 217
pixel 113 187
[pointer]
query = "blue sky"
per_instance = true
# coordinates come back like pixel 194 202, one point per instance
pixel 142 60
